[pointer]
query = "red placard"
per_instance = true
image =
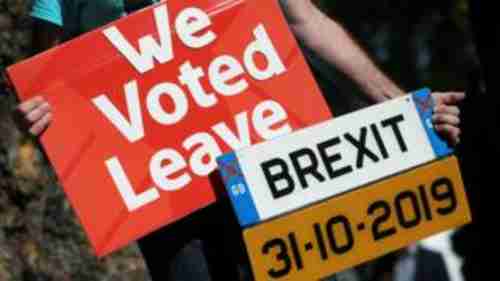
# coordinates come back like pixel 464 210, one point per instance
pixel 143 106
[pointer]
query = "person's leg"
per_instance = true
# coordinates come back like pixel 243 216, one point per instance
pixel 223 244
pixel 174 254
pixel 190 264
pixel 480 120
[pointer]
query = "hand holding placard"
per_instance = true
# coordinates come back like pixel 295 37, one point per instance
pixel 337 156
pixel 143 106
pixel 323 177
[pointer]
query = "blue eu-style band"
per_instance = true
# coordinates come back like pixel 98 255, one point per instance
pixel 425 106
pixel 238 189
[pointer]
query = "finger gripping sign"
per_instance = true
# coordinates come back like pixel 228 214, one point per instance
pixel 294 171
pixel 359 226
pixel 143 106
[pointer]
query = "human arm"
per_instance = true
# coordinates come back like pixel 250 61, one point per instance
pixel 328 39
pixel 35 114
pixel 336 46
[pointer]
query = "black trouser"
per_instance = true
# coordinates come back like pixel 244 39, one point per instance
pixel 206 245
pixel 479 126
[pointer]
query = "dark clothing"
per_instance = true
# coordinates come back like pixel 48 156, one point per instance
pixel 419 265
pixel 480 123
pixel 206 245
pixel 430 266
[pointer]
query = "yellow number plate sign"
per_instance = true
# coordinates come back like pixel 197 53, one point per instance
pixel 359 226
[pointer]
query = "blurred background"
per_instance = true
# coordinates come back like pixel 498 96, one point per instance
pixel 417 43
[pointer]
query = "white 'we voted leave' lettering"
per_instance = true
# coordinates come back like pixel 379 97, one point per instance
pixel 227 77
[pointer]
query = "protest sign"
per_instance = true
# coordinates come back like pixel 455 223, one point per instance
pixel 143 106
pixel 359 226
pixel 294 171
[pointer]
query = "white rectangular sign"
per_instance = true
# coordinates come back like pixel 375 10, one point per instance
pixel 333 157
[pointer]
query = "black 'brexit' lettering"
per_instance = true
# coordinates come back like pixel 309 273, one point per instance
pixel 361 146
